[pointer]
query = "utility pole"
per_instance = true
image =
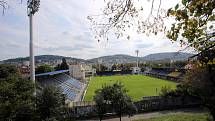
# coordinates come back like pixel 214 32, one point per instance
pixel 32 8
pixel 137 52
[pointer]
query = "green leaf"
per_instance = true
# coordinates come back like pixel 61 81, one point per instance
pixel 184 2
pixel 176 7
pixel 169 11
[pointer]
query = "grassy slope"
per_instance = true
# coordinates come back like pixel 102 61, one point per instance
pixel 138 85
pixel 179 117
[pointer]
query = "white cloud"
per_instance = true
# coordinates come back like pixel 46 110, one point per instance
pixel 61 27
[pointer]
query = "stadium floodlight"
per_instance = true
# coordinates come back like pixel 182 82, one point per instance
pixel 32 8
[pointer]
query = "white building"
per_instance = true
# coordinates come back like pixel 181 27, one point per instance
pixel 88 70
pixel 136 70
pixel 26 63
pixel 81 71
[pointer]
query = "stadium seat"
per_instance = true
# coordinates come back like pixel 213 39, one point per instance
pixel 69 85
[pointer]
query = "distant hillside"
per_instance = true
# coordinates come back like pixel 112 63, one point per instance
pixel 120 58
pixel 42 58
pixel 167 56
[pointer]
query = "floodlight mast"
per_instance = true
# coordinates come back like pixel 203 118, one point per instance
pixel 32 8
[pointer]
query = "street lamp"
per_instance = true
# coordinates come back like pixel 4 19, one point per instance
pixel 32 8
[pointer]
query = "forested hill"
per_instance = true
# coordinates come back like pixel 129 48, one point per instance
pixel 119 58
pixel 42 58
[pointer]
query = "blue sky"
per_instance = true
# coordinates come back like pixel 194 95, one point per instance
pixel 61 28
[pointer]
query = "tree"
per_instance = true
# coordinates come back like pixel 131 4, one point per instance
pixel 16 95
pixel 114 67
pixel 57 67
pixel 44 68
pixel 50 103
pixel 115 97
pixel 4 5
pixel 180 64
pixel 100 67
pixel 7 71
pixel 63 65
pixel 182 90
pixel 193 26
pixel 122 15
pixel 121 102
pixel 201 81
pixel 101 107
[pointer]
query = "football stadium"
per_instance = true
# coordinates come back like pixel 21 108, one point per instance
pixel 138 86
pixel 90 60
pixel 148 83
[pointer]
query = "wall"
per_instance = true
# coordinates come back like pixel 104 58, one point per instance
pixel 153 103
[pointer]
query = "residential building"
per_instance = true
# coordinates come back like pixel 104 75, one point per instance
pixel 24 70
pixel 81 71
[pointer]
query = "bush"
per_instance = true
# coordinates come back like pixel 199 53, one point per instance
pixel 181 90
pixel 113 98
pixel 166 91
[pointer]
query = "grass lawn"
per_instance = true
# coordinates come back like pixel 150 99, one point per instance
pixel 179 117
pixel 137 85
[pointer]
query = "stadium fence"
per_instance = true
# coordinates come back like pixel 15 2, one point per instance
pixel 147 104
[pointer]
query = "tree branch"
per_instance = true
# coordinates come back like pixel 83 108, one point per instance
pixel 4 6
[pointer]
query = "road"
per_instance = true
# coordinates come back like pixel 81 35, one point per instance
pixel 152 114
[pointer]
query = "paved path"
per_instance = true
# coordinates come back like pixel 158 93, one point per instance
pixel 153 114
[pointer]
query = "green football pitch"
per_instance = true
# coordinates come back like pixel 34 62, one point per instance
pixel 137 85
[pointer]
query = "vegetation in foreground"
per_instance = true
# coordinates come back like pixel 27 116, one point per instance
pixel 181 117
pixel 17 102
pixel 137 85
pixel 113 98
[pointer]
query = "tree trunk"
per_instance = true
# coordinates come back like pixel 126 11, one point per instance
pixel 212 111
pixel 100 118
pixel 120 113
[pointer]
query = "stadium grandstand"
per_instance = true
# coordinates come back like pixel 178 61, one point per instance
pixel 166 73
pixel 71 87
